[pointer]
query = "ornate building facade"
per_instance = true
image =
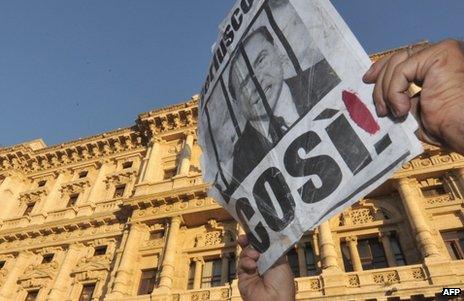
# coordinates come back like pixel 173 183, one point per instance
pixel 124 216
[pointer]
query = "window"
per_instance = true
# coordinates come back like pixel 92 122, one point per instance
pixel 83 174
pixel 41 183
pixel 191 275
pixel 72 200
pixel 29 209
pixel 32 295
pixel 433 191
pixel 47 258
pixel 147 282
pixel 119 191
pixel 454 241
pixel 311 268
pixel 156 235
pixel 396 249
pixel 100 250
pixel 87 292
pixel 2 264
pixel 169 173
pixel 372 254
pixel 127 164
pixel 211 273
pixel 346 257
pixel 292 257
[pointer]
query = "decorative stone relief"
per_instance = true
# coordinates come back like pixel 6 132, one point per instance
pixel 353 281
pixel 386 278
pixel 201 296
pixel 314 284
pixel 418 274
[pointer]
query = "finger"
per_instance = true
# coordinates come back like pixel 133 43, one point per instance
pixel 402 76
pixel 250 252
pixel 247 265
pixel 371 75
pixel 377 95
pixel 394 61
pixel 243 241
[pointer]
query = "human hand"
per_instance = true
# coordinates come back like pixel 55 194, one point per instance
pixel 274 285
pixel 439 68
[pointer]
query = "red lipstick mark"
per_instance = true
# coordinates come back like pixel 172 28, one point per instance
pixel 359 113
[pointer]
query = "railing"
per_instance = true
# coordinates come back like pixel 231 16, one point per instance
pixel 220 293
pixel 386 277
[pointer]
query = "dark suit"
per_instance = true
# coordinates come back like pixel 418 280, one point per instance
pixel 306 90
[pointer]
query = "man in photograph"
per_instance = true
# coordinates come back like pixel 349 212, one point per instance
pixel 269 102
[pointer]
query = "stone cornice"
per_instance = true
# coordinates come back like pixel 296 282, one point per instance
pixel 61 226
pixel 167 197
pixel 169 119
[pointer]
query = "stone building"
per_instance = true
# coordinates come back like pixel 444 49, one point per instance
pixel 124 216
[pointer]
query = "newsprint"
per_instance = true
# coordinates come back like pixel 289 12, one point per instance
pixel 288 130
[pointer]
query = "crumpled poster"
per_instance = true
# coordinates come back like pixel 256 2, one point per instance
pixel 288 130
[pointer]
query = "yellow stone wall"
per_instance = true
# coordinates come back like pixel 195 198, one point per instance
pixel 164 220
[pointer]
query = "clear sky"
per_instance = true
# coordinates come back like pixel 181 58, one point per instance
pixel 71 69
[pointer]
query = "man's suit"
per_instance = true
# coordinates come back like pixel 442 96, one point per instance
pixel 306 90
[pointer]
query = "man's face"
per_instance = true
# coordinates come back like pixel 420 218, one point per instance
pixel 267 66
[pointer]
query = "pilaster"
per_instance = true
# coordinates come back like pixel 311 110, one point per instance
pixel 9 285
pixel 186 154
pixel 62 280
pixel 152 164
pixel 98 189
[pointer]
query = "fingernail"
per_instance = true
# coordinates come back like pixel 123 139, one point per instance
pixel 368 72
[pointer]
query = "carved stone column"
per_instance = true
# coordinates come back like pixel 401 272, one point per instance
pixel 125 271
pixel 167 267
pixel 327 248
pixel 10 188
pixel 225 268
pixel 385 239
pixel 186 154
pixel 411 201
pixel 9 284
pixel 98 189
pixel 352 243
pixel 300 250
pixel 62 280
pixel 49 202
pixel 198 272
pixel 152 166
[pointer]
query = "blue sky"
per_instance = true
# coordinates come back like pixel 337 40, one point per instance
pixel 71 69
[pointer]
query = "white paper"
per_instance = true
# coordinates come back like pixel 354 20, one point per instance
pixel 288 130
